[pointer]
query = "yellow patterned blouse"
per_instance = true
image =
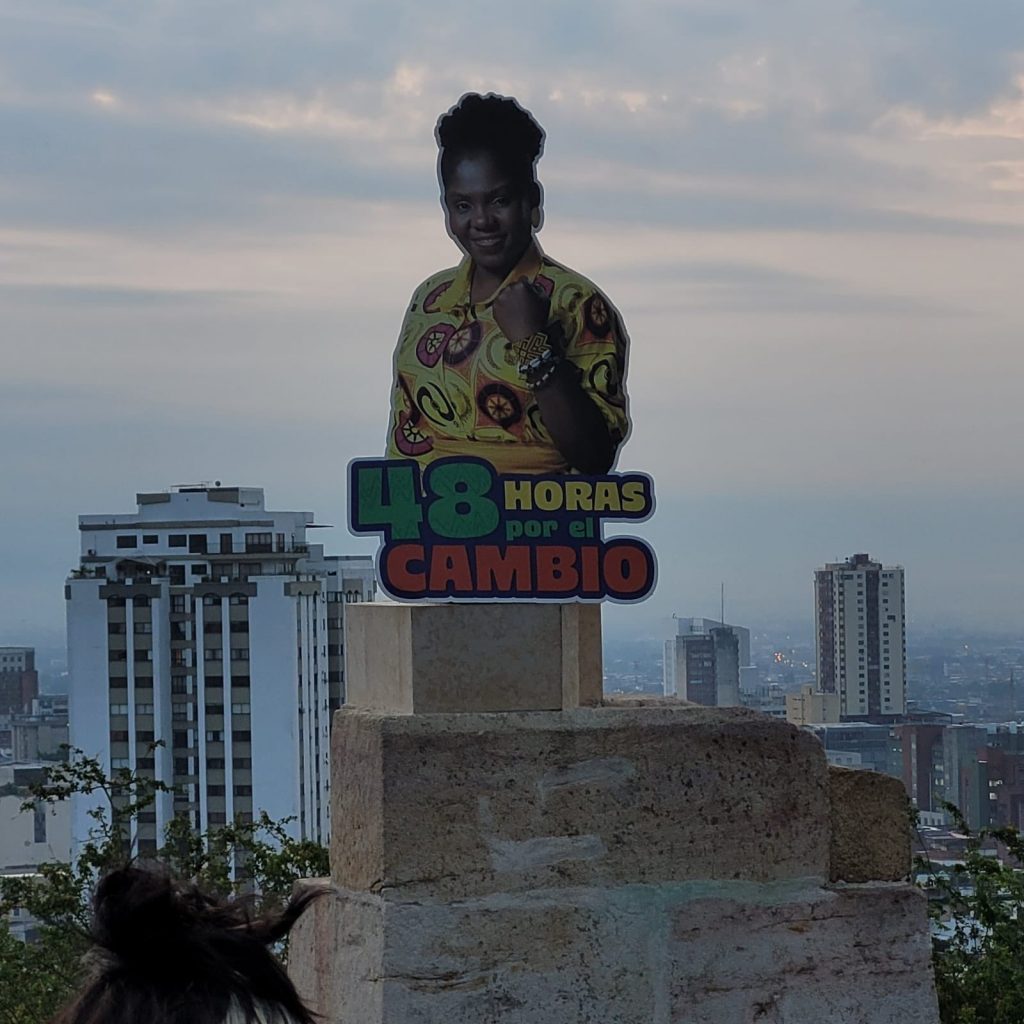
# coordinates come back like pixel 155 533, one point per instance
pixel 457 388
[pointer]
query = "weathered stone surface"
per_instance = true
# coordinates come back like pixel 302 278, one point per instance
pixel 870 826
pixel 456 806
pixel 425 659
pixel 679 953
pixel 335 957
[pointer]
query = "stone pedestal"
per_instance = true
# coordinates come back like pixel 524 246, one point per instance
pixel 421 659
pixel 608 865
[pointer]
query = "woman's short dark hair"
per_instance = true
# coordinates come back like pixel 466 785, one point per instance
pixel 169 953
pixel 490 124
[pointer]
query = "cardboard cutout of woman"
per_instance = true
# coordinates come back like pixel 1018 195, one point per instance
pixel 510 356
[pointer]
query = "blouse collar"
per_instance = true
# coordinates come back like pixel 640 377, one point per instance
pixel 458 293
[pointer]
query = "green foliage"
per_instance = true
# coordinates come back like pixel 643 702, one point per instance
pixel 36 978
pixel 979 909
pixel 258 858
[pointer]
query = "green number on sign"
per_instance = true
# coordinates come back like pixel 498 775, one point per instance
pixel 400 515
pixel 461 508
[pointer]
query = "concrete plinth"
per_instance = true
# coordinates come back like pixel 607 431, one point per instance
pixel 618 865
pixel 422 659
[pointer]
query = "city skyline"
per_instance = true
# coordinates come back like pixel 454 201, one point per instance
pixel 809 220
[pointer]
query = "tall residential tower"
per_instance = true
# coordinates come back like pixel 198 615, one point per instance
pixel 860 627
pixel 207 622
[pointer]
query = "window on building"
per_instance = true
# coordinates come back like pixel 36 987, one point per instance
pixel 143 709
pixel 144 735
pixel 239 626
pixel 117 628
pixel 225 544
pixel 242 736
pixel 179 738
pixel 215 709
pixel 199 569
pixel 215 790
pixel 197 543
pixel 215 763
pixel 242 790
pixel 212 654
pixel 118 735
pixel 212 681
pixel 148 763
pixel 179 710
pixel 150 538
pixel 177 540
pixel 241 762
pixel 211 600
pixel 239 653
pixel 240 709
pixel 259 543
pixel 239 599
pixel 179 603
pixel 144 627
pixel 141 601
pixel 128 541
pixel 215 736
pixel 213 625
pixel 217 818
pixel 241 682
pixel 181 766
pixel 119 709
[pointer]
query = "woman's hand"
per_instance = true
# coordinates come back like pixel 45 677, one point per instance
pixel 521 309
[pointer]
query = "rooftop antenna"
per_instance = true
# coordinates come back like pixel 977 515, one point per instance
pixel 722 620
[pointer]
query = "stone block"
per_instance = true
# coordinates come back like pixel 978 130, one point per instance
pixel 677 953
pixel 462 805
pixel 440 658
pixel 870 826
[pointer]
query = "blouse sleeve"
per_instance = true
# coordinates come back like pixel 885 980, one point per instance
pixel 596 342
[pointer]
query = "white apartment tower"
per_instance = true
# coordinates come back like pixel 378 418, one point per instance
pixel 210 623
pixel 860 627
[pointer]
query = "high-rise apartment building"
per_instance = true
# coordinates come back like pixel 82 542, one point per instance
pixel 210 623
pixel 19 682
pixel 702 663
pixel 860 627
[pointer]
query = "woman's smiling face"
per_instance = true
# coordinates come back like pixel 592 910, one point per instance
pixel 489 212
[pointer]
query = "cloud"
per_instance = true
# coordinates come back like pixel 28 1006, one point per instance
pixel 211 216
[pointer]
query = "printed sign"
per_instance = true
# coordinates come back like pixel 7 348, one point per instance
pixel 456 530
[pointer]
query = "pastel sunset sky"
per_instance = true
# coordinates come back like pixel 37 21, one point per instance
pixel 808 213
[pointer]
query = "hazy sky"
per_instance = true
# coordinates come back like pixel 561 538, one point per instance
pixel 809 214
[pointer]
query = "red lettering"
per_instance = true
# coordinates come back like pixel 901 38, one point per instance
pixel 591 570
pixel 626 568
pixel 399 572
pixel 505 572
pixel 449 570
pixel 556 569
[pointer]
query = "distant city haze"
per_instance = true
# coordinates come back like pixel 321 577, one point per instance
pixel 212 218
